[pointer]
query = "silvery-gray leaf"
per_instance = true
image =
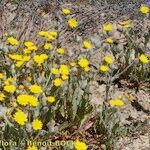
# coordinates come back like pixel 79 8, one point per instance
pixel 3 110
pixel 3 48
pixel 78 38
pixel 36 113
pixel 29 127
pixel 96 41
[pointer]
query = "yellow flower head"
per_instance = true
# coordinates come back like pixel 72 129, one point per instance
pixel 10 88
pixel 15 56
pixel 20 117
pixel 64 70
pixel 13 41
pixel 21 87
pixel 19 63
pixel 72 64
pixel 126 24
pixel 117 102
pixel 29 79
pixel 107 27
pixel 32 148
pixel 9 81
pixel 50 38
pixel 28 44
pixel 66 11
pixel 80 145
pixel 144 59
pixel 109 40
pixel 144 9
pixel 1 75
pixel 2 96
pixel 23 99
pixel 65 77
pixel 33 101
pixel 104 68
pixel 35 89
pixel 37 124
pixel 60 50
pixel 31 48
pixel 14 104
pixel 108 59
pixel 39 59
pixel 58 82
pixel 51 99
pixel 55 71
pixel 87 69
pixel 83 62
pixel 43 33
pixel 48 46
pixel 72 23
pixel 87 44
pixel 53 33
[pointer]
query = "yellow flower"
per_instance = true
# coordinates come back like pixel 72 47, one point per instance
pixel 9 81
pixel 27 51
pixel 80 145
pixel 144 59
pixel 19 63
pixel 21 87
pixel 144 9
pixel 51 99
pixel 73 64
pixel 19 59
pixel 64 70
pixel 37 124
pixel 43 33
pixel 13 41
pixel 15 56
pixel 66 11
pixel 104 68
pixel 108 59
pixel 32 48
pixel 10 88
pixel 65 77
pixel 53 33
pixel 117 102
pixel 23 99
pixel 8 113
pixel 50 38
pixel 1 75
pixel 42 13
pixel 28 44
pixel 87 44
pixel 109 40
pixel 48 46
pixel 126 24
pixel 32 148
pixel 14 104
pixel 55 71
pixel 33 101
pixel 35 89
pixel 83 62
pixel 29 79
pixel 107 27
pixel 72 23
pixel 20 117
pixel 58 82
pixel 39 59
pixel 86 69
pixel 2 96
pixel 60 50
